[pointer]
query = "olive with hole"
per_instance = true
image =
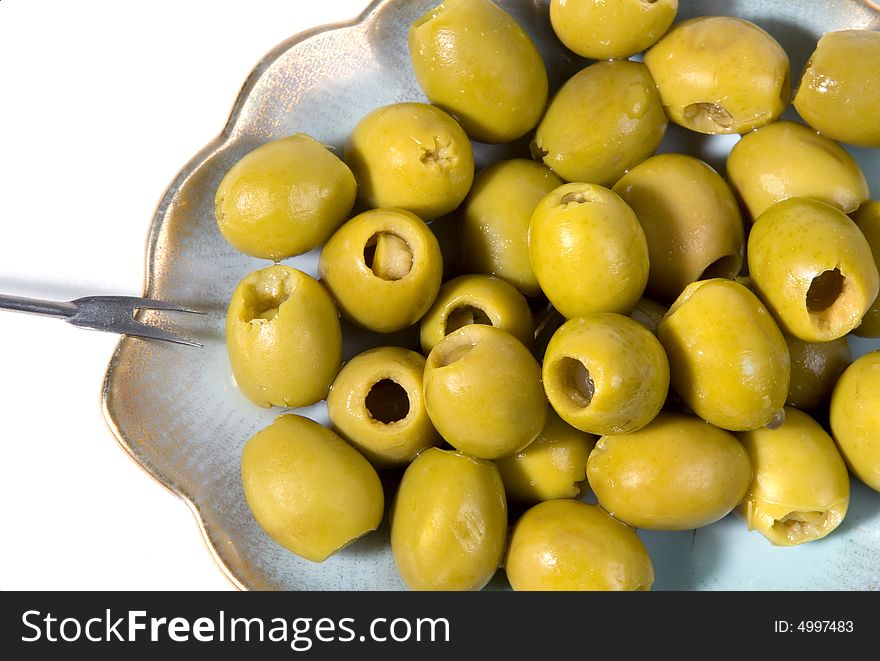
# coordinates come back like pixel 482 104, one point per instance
pixel 472 59
pixel 411 156
pixel 495 221
pixel 376 404
pixel 554 465
pixel 477 299
pixel 604 120
pixel 728 360
pixel 691 220
pixel 720 74
pixel 815 368
pixel 868 220
pixel 800 487
pixel 284 198
pixel 384 269
pixel 605 374
pixel 676 473
pixel 855 418
pixel 483 392
pixel 813 268
pixel 308 489
pixel 606 29
pixel 588 251
pixel 839 91
pixel 448 522
pixel 283 338
pixel 786 159
pixel 570 545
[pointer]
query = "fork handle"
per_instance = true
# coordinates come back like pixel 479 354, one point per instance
pixel 36 306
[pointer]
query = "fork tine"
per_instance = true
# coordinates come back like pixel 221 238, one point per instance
pixel 140 329
pixel 153 304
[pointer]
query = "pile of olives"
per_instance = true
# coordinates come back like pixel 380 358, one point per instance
pixel 628 323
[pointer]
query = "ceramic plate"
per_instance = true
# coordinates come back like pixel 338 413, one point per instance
pixel 176 411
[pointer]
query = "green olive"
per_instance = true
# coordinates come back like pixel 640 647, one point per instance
pixel 449 522
pixel 283 338
pixel 605 374
pixel 605 29
pixel 477 299
pixel 691 221
pixel 649 314
pixel 570 545
pixel 855 418
pixel 813 268
pixel 815 368
pixel 787 159
pixel 284 198
pixel 840 88
pixel 495 221
pixel 308 489
pixel 588 251
pixel 800 488
pixel 676 473
pixel 411 156
pixel 728 360
pixel 719 74
pixel 483 392
pixel 604 120
pixel 384 269
pixel 376 404
pixel 554 465
pixel 474 61
pixel 868 220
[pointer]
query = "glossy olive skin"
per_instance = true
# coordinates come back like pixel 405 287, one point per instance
pixel 376 404
pixel 649 314
pixel 411 156
pixel 283 338
pixel 813 268
pixel 606 29
pixel 477 299
pixel 868 220
pixel 691 220
pixel 554 465
pixel 800 488
pixel 495 221
pixel 786 159
pixel 308 489
pixel 570 545
pixel 585 141
pixel 855 418
pixel 449 522
pixel 676 473
pixel 472 59
pixel 840 88
pixel 588 251
pixel 284 198
pixel 483 392
pixel 728 360
pixel 605 374
pixel 384 269
pixel 719 74
pixel 815 368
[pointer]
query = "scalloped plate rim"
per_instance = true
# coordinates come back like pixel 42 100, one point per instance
pixel 158 220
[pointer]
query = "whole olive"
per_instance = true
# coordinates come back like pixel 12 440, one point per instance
pixel 472 59
pixel 308 489
pixel 283 338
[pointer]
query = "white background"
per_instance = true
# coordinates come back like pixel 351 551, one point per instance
pixel 101 103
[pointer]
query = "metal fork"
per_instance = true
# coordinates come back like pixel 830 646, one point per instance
pixel 114 314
